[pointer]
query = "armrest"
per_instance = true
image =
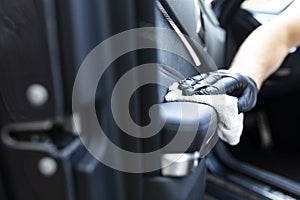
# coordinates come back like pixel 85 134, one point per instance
pixel 189 133
pixel 191 120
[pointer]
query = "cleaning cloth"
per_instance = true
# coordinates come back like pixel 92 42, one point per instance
pixel 230 122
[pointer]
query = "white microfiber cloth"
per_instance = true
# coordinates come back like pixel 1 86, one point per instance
pixel 230 122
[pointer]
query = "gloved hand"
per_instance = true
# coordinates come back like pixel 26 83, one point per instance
pixel 223 82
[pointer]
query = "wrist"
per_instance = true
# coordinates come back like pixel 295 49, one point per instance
pixel 254 77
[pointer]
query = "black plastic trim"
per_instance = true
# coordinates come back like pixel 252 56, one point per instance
pixel 222 163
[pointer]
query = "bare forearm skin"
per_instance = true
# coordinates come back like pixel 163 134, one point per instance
pixel 265 49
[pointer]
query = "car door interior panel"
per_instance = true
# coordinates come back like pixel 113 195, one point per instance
pixel 165 181
pixel 2 190
pixel 41 156
pixel 44 156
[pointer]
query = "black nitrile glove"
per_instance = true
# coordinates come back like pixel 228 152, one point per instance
pixel 223 82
